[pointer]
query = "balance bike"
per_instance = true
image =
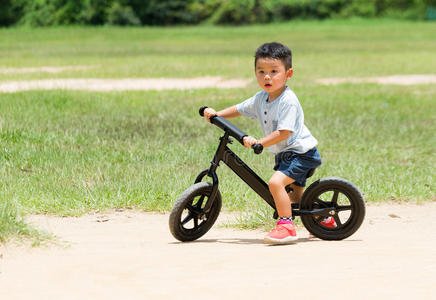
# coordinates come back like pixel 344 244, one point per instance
pixel 198 207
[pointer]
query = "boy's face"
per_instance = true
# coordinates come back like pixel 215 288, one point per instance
pixel 272 75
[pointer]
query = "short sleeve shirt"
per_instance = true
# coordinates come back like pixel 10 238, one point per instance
pixel 284 113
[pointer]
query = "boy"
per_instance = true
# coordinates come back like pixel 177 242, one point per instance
pixel 281 117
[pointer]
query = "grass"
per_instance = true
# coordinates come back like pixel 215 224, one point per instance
pixel 68 152
pixel 13 225
pixel 321 49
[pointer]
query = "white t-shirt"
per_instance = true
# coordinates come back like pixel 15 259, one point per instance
pixel 284 113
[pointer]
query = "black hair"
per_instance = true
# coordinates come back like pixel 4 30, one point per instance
pixel 276 51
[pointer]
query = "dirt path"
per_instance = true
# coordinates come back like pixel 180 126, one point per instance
pixel 44 69
pixel 131 255
pixel 412 79
pixel 124 84
pixel 146 84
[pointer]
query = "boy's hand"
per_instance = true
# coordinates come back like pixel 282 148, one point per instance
pixel 249 141
pixel 209 113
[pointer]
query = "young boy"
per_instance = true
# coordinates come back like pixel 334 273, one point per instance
pixel 281 117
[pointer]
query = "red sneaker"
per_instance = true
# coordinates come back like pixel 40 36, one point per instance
pixel 283 233
pixel 329 222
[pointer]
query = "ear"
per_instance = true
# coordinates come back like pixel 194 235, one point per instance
pixel 289 73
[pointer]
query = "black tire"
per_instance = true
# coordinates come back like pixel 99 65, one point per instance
pixel 187 219
pixel 343 197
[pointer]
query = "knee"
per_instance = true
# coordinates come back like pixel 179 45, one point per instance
pixel 274 184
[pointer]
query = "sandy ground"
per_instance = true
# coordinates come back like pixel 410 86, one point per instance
pixel 144 84
pixel 132 84
pixel 45 69
pixel 394 79
pixel 132 255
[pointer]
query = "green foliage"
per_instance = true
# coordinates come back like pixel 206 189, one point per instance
pixel 66 12
pixel 281 10
pixel 410 9
pixel 10 11
pixel 94 12
pixel 51 12
pixel 170 12
pixel 360 9
pixel 239 12
pixel 203 9
pixel 118 14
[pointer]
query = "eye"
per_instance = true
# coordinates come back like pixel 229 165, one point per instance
pixel 273 71
pixel 261 72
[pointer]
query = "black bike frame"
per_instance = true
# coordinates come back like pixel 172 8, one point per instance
pixel 223 153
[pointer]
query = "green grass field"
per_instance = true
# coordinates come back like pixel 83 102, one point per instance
pixel 68 152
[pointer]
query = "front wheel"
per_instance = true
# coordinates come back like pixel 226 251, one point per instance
pixel 346 202
pixel 188 220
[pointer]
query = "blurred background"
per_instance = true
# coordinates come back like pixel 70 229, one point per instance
pixel 173 12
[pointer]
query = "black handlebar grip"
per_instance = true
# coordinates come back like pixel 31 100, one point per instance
pixel 201 111
pixel 258 148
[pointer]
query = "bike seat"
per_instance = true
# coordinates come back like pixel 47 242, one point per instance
pixel 310 173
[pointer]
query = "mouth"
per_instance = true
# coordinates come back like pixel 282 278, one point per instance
pixel 268 85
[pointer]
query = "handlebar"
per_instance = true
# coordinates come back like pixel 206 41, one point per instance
pixel 201 110
pixel 233 131
pixel 258 148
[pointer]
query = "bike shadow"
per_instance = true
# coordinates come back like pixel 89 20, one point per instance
pixel 245 241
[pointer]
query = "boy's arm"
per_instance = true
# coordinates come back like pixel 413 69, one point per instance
pixel 274 138
pixel 228 113
pixel 269 140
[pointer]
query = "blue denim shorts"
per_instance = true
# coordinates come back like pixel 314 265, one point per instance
pixel 296 165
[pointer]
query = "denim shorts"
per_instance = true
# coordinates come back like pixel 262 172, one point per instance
pixel 296 165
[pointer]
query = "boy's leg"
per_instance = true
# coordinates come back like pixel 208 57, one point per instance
pixel 296 193
pixel 285 231
pixel 276 186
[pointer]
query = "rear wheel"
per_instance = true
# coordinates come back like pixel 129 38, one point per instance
pixel 346 203
pixel 188 220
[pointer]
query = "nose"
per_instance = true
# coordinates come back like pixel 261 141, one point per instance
pixel 267 76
